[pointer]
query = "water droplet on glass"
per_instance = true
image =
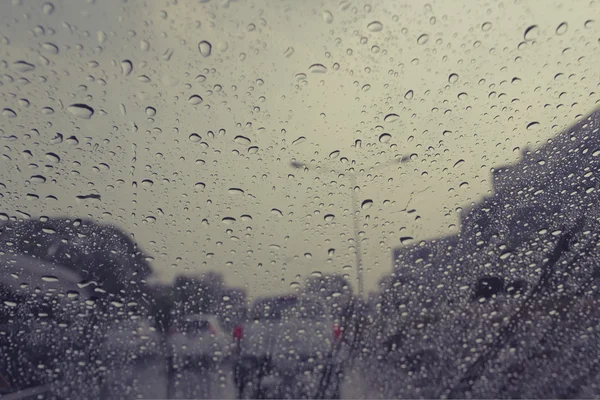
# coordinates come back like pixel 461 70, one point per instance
pixel 252 149
pixel 307 255
pixel 277 212
pixel 462 96
pixel 47 110
pixel 329 217
pixel 391 117
pixel 533 125
pixel 200 185
pixel 9 303
pixel 453 78
pixel 50 48
pixel 53 157
pixel 47 8
pixel 38 179
pixel 406 240
pixel 486 26
pixel 423 39
pixel 409 95
pixel 9 113
pixel 23 66
pixel 366 204
pixel 384 137
pixel 205 48
pixel 49 278
pixel 288 52
pixel 194 137
pixel 327 17
pixel 150 111
pixel 147 183
pixel 334 154
pixel 243 140
pixel 317 69
pixel 235 191
pixel 195 100
pixel 228 220
pixel 81 110
pixel 375 26
pixel 531 33
pixel 588 24
pixel 562 29
pixel 126 67
pixel 300 140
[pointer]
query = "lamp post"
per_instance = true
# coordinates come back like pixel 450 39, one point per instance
pixel 357 247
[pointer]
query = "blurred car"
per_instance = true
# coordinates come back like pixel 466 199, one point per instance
pixel 197 340
pixel 43 324
pixel 288 348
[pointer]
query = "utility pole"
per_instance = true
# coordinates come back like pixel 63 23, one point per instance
pixel 355 217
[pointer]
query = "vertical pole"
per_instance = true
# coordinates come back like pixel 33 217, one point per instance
pixel 357 249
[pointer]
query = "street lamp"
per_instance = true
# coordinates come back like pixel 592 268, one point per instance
pixel 357 250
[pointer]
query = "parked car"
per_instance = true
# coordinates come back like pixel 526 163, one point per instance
pixel 197 340
pixel 288 347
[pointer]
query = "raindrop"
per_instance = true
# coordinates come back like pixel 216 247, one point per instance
pixel 53 157
pixel 533 125
pixel 50 48
pixel 81 110
pixel 409 95
pixel 48 8
pixel 194 137
pixel 562 29
pixel 453 78
pixel 334 154
pixel 200 185
pixel 458 163
pixel 423 39
pixel 150 111
pixel 246 218
pixel 228 220
pixel 391 117
pixel 384 137
pixel 366 204
pixel 243 140
pixel 300 140
pixel 375 26
pixel 47 110
pixel 23 66
pixel 195 100
pixel 72 140
pixel 38 179
pixel 9 303
pixel 252 149
pixel 49 278
pixel 307 255
pixel 8 113
pixel 329 217
pixel 588 24
pixel 147 183
pixel 406 239
pixel 331 252
pixel 317 69
pixel 126 67
pixel 277 212
pixel 327 17
pixel 288 52
pixel 531 33
pixel 235 191
pixel 462 96
pixel 205 48
pixel 486 26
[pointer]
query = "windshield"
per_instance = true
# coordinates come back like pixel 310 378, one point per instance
pixel 299 199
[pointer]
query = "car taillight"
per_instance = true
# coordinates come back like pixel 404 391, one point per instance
pixel 337 331
pixel 238 332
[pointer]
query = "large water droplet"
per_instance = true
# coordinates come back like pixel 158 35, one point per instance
pixel 48 8
pixel 423 39
pixel 49 278
pixel 375 26
pixel 9 113
pixel 531 33
pixel 327 17
pixel 195 100
pixel 329 217
pixel 205 48
pixel 409 95
pixel 23 66
pixel 194 137
pixel 243 140
pixel 533 125
pixel 384 137
pixel 334 154
pixel 228 220
pixel 453 78
pixel 391 117
pixel 300 140
pixel 126 67
pixel 562 29
pixel 150 111
pixel 81 110
pixel 366 204
pixel 317 69
pixel 50 48
pixel 486 26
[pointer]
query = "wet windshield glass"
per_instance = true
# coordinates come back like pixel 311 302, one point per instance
pixel 299 199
